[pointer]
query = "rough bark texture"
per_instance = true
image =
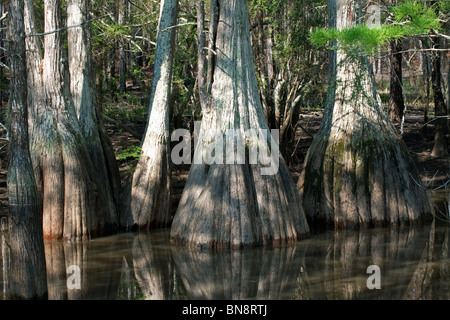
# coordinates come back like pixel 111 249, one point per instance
pixel 147 197
pixel 230 204
pixel 357 172
pixel 85 102
pixel 396 103
pixel 27 261
pixel 35 95
pixel 66 180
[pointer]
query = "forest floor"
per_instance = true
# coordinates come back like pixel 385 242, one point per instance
pixel 434 171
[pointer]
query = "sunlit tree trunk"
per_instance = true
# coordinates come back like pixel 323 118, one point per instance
pixel 26 243
pixel 357 172
pixel 234 204
pixel 147 197
pixel 66 178
pixel 85 102
pixel 122 53
pixel 35 97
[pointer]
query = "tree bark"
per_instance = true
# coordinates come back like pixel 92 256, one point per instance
pixel 27 261
pixel 83 93
pixel 35 96
pixel 357 172
pixel 396 103
pixel 122 54
pixel 231 203
pixel 66 177
pixel 147 195
pixel 440 147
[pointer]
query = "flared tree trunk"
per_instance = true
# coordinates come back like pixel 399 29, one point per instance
pixel 85 102
pixel 66 178
pixel 229 202
pixel 357 172
pixel 146 200
pixel 27 261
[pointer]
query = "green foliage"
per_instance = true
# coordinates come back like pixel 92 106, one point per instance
pixel 358 37
pixel 415 17
pixel 127 107
pixel 408 18
pixel 129 153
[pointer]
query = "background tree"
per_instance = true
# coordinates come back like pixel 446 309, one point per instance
pixel 440 147
pixel 27 262
pixel 231 204
pixel 290 71
pixel 357 172
pixel 396 104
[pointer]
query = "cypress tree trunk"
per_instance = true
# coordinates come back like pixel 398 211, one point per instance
pixel 27 261
pixel 66 176
pixel 396 103
pixel 147 196
pixel 82 87
pixel 357 172
pixel 230 203
pixel 35 95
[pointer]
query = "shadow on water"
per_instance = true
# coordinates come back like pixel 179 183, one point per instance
pixel 413 264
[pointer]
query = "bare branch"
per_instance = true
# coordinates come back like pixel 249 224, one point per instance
pixel 67 27
pixel 179 25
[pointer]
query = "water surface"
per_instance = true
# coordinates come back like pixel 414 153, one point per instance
pixel 413 262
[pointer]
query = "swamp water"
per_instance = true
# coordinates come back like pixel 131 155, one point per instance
pixel 412 263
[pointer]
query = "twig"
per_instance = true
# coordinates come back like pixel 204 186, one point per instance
pixel 434 119
pixel 67 27
pixel 179 25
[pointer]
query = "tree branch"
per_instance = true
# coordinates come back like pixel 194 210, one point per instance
pixel 67 27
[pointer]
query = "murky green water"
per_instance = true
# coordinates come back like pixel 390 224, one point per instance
pixel 414 263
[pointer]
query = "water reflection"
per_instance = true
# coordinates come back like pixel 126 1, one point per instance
pixel 237 274
pixel 413 262
pixel 94 265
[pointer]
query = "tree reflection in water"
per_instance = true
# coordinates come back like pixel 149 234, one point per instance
pixel 414 264
pixel 98 265
pixel 257 273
